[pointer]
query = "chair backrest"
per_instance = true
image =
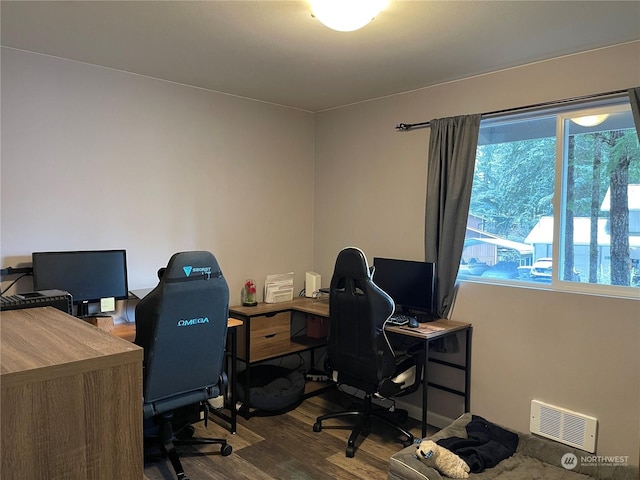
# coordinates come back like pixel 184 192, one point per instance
pixel 357 346
pixel 182 326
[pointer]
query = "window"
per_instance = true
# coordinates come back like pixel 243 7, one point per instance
pixel 579 165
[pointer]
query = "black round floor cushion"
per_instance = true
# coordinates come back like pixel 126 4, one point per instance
pixel 272 387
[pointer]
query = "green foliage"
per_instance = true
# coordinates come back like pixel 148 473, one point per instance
pixel 513 185
pixel 614 146
pixel 513 182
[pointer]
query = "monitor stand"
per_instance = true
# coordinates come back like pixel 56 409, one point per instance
pixel 82 310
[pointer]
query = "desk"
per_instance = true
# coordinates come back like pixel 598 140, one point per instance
pixel 127 331
pixel 266 334
pixel 429 332
pixel 67 399
pixel 426 332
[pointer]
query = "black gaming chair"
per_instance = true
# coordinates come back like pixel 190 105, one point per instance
pixel 358 352
pixel 182 326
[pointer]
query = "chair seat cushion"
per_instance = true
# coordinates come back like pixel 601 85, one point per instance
pixel 272 388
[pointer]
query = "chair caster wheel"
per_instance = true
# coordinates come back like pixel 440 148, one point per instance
pixel 226 450
pixel 350 452
pixel 317 427
pixel 406 443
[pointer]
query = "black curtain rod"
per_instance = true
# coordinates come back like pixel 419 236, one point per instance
pixel 403 127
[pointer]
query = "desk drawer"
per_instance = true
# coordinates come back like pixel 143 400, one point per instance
pixel 270 336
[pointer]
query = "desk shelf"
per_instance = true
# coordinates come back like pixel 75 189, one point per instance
pixel 302 342
pixel 297 344
pixel 266 334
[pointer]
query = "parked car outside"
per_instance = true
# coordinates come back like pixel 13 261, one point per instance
pixel 507 270
pixel 504 269
pixel 541 270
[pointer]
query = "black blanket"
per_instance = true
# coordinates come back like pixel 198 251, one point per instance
pixel 486 446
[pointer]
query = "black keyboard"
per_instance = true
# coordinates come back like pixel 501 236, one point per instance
pixel 400 319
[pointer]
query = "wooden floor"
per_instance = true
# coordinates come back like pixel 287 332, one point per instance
pixel 285 447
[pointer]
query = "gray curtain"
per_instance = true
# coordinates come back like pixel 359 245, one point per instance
pixel 452 155
pixel 634 98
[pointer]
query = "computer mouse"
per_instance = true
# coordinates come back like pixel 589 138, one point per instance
pixel 413 323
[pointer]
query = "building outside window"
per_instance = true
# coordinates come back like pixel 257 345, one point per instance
pixel 578 164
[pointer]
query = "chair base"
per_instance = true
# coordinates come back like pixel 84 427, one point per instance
pixel 169 449
pixel 169 441
pixel 363 424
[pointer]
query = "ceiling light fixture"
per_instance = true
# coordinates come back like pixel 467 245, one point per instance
pixel 590 120
pixel 346 15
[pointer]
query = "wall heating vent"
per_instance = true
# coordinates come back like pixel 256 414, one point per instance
pixel 564 426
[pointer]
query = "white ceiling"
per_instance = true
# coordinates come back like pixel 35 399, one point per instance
pixel 276 52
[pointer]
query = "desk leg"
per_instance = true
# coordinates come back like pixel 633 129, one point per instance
pixel 425 385
pixel 231 369
pixel 234 378
pixel 245 409
pixel 467 372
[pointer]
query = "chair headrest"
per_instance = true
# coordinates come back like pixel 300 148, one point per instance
pixel 186 264
pixel 352 263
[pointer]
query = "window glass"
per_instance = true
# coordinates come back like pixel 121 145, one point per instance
pixel 578 164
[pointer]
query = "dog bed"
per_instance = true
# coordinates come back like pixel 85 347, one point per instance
pixel 272 388
pixel 536 458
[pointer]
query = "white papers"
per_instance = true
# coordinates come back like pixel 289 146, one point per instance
pixel 278 287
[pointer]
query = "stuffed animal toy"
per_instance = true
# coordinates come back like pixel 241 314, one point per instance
pixel 443 460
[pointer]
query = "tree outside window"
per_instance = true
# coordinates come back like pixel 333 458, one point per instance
pixel 578 164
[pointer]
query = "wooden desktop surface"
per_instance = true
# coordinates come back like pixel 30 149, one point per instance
pixel 430 330
pixel 36 342
pixel 63 385
pixel 127 330
pixel 313 306
pixel 320 307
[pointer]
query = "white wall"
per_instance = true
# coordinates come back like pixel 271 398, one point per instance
pixel 578 352
pixel 96 158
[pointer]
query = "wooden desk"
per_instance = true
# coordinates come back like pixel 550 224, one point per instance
pixel 313 306
pixel 266 334
pixel 127 331
pixel 427 332
pixel 70 399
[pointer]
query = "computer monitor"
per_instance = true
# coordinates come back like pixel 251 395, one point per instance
pixel 89 275
pixel 411 284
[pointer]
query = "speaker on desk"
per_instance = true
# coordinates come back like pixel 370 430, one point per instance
pixel 312 284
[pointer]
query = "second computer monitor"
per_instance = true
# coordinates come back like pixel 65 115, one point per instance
pixel 410 283
pixel 88 275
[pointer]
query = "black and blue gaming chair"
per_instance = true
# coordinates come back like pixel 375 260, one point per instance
pixel 358 351
pixel 182 327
